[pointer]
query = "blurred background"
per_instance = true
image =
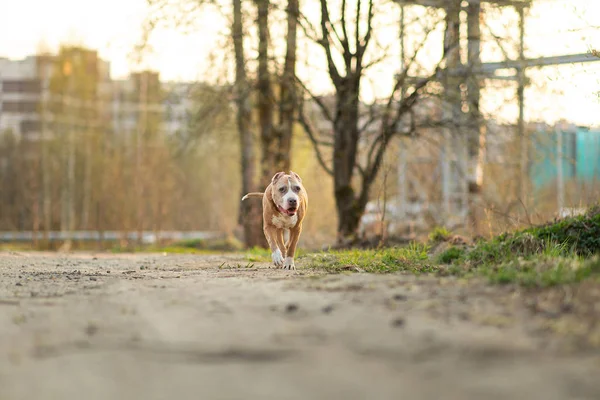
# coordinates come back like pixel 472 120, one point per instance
pixel 131 122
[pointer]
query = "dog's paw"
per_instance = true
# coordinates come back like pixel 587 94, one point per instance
pixel 289 264
pixel 277 258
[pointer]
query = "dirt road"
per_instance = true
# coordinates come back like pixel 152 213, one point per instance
pixel 198 327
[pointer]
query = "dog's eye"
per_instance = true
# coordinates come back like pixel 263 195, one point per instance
pixel 297 188
pixel 282 189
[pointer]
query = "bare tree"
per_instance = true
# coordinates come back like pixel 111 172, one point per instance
pixel 249 214
pixel 345 115
pixel 275 101
pixel 276 138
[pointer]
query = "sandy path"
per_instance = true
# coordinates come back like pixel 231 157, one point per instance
pixel 180 327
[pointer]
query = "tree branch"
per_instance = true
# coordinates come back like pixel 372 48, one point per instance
pixel 317 100
pixel 388 130
pixel 357 28
pixel 333 72
pixel 311 133
pixel 377 60
pixel 367 37
pixel 408 102
pixel 373 116
pixel 305 24
pixel 345 43
pixel 360 169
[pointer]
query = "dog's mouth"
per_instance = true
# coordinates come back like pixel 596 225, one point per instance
pixel 290 211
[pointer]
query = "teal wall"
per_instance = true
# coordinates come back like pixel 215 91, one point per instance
pixel 588 154
pixel 581 156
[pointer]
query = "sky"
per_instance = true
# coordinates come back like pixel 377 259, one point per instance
pixel 114 26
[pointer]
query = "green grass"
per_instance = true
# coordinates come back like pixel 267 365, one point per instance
pixel 413 258
pixel 193 246
pixel 439 234
pixel 562 252
pixel 451 254
pixel 258 254
pixel 171 249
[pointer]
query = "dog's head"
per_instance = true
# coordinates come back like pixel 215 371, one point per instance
pixel 286 192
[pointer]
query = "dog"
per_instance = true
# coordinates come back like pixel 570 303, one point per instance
pixel 284 203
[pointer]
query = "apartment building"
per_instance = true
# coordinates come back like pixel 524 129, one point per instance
pixel 168 103
pixel 125 103
pixel 25 86
pixel 178 106
pixel 20 95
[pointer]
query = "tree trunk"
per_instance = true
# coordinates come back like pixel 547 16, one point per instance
pixel 288 99
pixel 249 213
pixel 46 174
pixel 345 144
pixel 68 223
pixel 350 204
pixel 87 181
pixel 268 137
pixel 140 165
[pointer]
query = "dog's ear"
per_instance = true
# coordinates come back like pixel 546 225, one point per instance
pixel 295 175
pixel 277 176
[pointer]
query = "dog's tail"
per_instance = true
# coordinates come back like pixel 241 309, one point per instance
pixel 254 194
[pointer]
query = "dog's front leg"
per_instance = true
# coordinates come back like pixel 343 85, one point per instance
pixel 273 238
pixel 291 247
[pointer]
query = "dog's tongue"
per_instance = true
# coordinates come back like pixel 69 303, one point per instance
pixel 287 212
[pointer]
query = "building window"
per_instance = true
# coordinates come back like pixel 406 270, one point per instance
pixel 20 107
pixel 30 126
pixel 25 86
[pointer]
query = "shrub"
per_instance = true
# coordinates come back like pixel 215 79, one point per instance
pixel 450 255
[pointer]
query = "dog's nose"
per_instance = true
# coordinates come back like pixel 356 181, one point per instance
pixel 293 202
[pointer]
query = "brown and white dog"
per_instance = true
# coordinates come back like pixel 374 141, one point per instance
pixel 284 205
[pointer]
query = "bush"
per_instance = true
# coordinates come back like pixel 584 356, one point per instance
pixel 581 233
pixel 439 234
pixel 450 255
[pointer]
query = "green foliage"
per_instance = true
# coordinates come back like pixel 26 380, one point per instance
pixel 439 234
pixel 575 236
pixel 561 252
pixel 413 258
pixel 580 233
pixel 227 244
pixel 191 246
pixel 450 255
pixel 257 254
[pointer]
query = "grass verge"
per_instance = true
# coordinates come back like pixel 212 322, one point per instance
pixel 413 258
pixel 562 252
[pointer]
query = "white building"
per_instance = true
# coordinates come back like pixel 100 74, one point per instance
pixel 20 95
pixel 24 85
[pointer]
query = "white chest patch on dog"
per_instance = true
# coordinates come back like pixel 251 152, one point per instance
pixel 284 221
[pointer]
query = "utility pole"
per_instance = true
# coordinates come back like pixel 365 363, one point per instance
pixel 476 129
pixel 452 192
pixel 473 73
pixel 523 141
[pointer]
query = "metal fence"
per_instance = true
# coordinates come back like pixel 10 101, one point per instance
pixel 146 236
